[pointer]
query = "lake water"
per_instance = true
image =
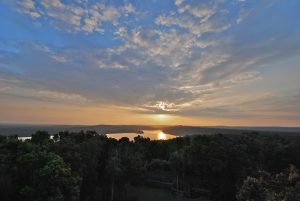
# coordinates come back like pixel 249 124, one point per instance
pixel 152 134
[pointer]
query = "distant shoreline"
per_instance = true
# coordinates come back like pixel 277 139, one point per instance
pixel 27 130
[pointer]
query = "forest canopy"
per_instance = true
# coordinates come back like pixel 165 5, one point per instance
pixel 87 166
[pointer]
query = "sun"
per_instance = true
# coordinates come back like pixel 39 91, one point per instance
pixel 161 136
pixel 162 118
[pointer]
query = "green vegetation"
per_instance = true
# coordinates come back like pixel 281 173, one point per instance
pixel 87 166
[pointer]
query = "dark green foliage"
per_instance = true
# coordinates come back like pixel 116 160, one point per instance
pixel 264 186
pixel 40 137
pixel 50 180
pixel 29 172
pixel 87 166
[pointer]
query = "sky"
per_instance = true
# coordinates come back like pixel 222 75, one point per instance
pixel 179 62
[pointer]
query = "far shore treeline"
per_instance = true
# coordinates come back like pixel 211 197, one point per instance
pixel 88 166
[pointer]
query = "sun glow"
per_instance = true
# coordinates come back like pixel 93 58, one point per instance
pixel 161 136
pixel 162 118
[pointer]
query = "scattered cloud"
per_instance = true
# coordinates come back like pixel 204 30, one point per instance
pixel 59 58
pixel 178 2
pixel 243 14
pixel 28 7
pixel 81 16
pixel 17 89
pixel 197 58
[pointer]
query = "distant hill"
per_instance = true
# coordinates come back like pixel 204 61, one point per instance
pixel 27 130
pixel 201 130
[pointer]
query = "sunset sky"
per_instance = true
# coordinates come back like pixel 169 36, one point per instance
pixel 208 62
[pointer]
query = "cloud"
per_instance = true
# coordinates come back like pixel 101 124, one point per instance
pixel 28 7
pixel 198 58
pixel 202 12
pixel 75 17
pixel 129 76
pixel 112 64
pixel 169 49
pixel 200 18
pixel 178 2
pixel 193 25
pixel 66 97
pixel 163 106
pixel 243 14
pixel 255 105
pixel 11 85
pixel 128 8
pixel 59 58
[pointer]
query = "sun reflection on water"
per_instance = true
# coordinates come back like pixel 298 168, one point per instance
pixel 161 136
pixel 152 134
